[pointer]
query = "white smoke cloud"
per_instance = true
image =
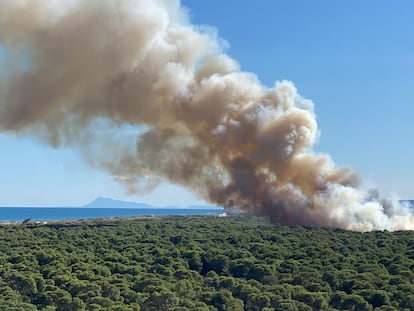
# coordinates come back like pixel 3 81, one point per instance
pixel 208 125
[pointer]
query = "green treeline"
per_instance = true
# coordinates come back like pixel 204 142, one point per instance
pixel 202 263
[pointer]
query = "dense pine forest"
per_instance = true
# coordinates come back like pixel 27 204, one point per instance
pixel 202 263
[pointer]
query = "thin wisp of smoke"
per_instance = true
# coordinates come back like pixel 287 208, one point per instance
pixel 208 126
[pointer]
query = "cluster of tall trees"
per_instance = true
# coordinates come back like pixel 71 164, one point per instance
pixel 202 263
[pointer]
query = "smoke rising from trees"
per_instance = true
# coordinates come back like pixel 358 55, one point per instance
pixel 208 126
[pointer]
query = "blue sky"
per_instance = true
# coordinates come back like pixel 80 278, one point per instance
pixel 354 59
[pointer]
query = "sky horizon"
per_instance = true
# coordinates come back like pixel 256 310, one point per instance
pixel 354 60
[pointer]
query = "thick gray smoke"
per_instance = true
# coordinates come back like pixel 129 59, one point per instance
pixel 74 66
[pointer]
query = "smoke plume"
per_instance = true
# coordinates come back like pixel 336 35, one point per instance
pixel 76 71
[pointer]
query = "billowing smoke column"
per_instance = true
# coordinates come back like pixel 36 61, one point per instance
pixel 204 124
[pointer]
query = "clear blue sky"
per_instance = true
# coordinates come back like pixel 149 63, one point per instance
pixel 354 59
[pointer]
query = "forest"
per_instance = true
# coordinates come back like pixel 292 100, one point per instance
pixel 202 263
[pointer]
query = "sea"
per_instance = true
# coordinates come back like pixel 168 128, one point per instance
pixel 18 214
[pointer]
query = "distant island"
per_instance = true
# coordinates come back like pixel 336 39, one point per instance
pixel 102 202
pixel 112 203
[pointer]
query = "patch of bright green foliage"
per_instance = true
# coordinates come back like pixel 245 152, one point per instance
pixel 202 263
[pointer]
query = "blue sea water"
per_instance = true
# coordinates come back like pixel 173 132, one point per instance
pixel 66 213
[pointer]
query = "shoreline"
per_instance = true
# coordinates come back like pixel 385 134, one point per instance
pixel 14 216
pixel 97 220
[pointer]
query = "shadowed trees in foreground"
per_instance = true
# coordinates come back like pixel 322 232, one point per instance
pixel 202 263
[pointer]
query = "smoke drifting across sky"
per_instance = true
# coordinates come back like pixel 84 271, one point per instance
pixel 75 66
